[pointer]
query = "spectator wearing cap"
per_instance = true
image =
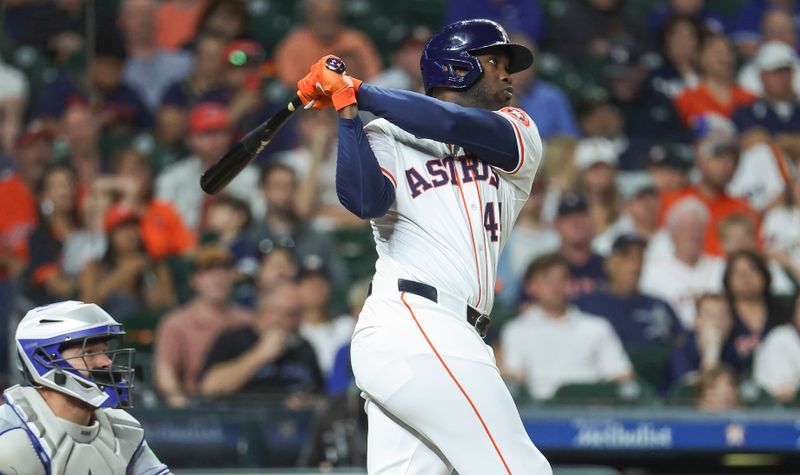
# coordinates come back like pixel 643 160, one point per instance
pixel 519 16
pixel 768 56
pixel 531 237
pixel 679 40
pixel 717 156
pixel 13 101
pixel 185 335
pixel 126 280
pixel 325 332
pixel 149 69
pixel 774 119
pixel 323 33
pixel 32 154
pixel 209 138
pixel 639 319
pixel 668 165
pixel 58 218
pixel 596 162
pixel 575 229
pixel 686 271
pixel 266 359
pixel 203 84
pixel 554 343
pixel 585 29
pixel 640 213
pixel 404 72
pixel 708 344
pixel 647 115
pixel 542 99
pixel 283 226
pixel 717 91
pixel 777 362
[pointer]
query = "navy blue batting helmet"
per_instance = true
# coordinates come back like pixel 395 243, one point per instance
pixel 454 47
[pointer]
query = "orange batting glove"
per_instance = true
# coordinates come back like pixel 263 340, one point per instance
pixel 339 86
pixel 307 91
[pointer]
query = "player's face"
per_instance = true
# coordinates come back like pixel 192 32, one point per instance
pixel 92 356
pixel 494 90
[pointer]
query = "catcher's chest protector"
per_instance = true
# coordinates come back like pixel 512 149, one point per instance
pixel 105 448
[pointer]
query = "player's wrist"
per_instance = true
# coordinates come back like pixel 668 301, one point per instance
pixel 343 98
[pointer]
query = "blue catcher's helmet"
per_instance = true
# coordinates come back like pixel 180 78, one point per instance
pixel 454 46
pixel 47 331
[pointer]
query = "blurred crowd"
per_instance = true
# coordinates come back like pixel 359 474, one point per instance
pixel 660 246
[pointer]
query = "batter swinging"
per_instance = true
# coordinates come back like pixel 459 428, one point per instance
pixel 442 177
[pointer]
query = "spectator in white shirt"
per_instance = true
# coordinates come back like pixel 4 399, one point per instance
pixel 554 343
pixel 777 361
pixel 209 138
pixel 781 232
pixel 679 277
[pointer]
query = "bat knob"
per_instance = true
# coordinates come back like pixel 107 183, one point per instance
pixel 335 64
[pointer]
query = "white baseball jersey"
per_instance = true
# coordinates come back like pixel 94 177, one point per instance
pixel 34 441
pixel 452 213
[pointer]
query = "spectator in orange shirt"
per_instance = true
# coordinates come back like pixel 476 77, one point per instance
pixel 324 34
pixel 176 22
pixel 163 230
pixel 126 279
pixel 717 91
pixel 716 158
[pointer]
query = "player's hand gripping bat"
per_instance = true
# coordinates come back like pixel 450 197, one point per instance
pixel 250 146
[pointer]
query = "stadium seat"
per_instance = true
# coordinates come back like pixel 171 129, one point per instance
pixel 357 247
pixel 650 363
pixel 584 470
pixel 632 393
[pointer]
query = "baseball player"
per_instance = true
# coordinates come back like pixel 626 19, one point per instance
pixel 442 177
pixel 63 423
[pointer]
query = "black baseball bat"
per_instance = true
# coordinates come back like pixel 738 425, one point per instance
pixel 248 147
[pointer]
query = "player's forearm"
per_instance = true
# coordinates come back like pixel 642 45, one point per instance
pixel 360 185
pixel 482 132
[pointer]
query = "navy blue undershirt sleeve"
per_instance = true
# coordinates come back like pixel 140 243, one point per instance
pixel 360 185
pixel 482 132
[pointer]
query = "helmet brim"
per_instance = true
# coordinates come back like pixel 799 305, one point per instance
pixel 520 58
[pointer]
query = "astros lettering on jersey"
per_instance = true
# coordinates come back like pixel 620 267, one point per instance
pixel 416 238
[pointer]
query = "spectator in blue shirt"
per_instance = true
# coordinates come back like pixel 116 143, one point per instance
pixel 515 15
pixel 709 344
pixel 638 319
pixel 775 116
pixel 746 29
pixel 545 102
pixel 575 228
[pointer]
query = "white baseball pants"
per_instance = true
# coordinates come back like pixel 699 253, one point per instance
pixel 435 398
